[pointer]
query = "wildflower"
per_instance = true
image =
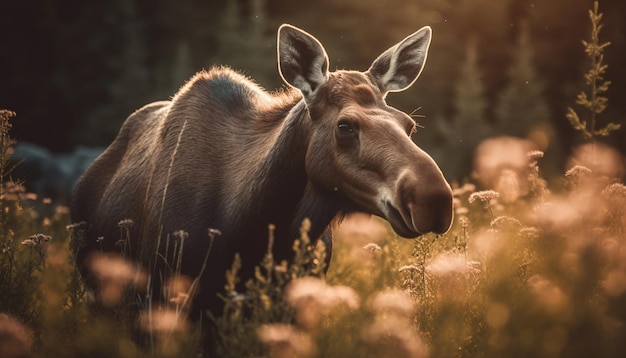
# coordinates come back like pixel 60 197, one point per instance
pixel 61 210
pixel 99 239
pixel 74 226
pixel 372 247
pixel 409 269
pixel 16 340
pixel 114 274
pixel 392 334
pixel 448 263
pixel 509 185
pixel 36 241
pixel 30 196
pixel 616 192
pixel 504 222
pixel 486 243
pixel 391 338
pixel 214 232
pixel 495 155
pixel 577 171
pixel 181 235
pixel 126 223
pixel 305 288
pixel 484 196
pixel 603 160
pixel 177 289
pixel 40 237
pixel 179 299
pixel 393 301
pixel 29 242
pixel 312 298
pixel 344 295
pixel 452 275
pixel 358 229
pixel 548 295
pixel 308 297
pixel 533 155
pixel 285 340
pixel 464 221
pixel 162 321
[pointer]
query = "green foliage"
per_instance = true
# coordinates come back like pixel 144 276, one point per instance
pixel 593 101
pixel 263 301
pixel 522 103
pixel 469 125
pixel 110 58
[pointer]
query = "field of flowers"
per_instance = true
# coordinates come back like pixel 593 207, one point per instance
pixel 528 269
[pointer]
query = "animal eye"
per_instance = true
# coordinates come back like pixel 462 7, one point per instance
pixel 345 128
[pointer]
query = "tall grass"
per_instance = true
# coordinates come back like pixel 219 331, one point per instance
pixel 524 271
pixel 593 101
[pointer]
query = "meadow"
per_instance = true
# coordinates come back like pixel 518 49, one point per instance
pixel 528 269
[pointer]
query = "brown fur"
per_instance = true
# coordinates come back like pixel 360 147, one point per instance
pixel 225 154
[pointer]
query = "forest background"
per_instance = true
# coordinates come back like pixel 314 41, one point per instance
pixel 74 70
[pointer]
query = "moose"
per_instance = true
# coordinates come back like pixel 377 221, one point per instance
pixel 225 154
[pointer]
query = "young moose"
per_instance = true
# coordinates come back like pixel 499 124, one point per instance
pixel 225 154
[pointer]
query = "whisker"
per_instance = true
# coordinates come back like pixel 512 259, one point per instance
pixel 412 114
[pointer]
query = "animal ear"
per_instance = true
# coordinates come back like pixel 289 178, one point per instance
pixel 398 67
pixel 302 60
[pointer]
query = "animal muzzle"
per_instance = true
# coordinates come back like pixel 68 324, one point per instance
pixel 420 205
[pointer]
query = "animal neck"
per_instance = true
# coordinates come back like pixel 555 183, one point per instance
pixel 287 192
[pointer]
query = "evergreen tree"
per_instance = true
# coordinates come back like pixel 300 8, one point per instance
pixel 522 104
pixel 469 125
pixel 469 101
pixel 128 87
pixel 247 42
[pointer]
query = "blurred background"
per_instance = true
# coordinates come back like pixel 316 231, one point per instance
pixel 74 70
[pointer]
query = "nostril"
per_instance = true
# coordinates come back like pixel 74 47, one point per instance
pixel 443 218
pixel 442 224
pixel 425 202
pixel 431 212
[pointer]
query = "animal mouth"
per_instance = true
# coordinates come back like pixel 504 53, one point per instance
pixel 399 224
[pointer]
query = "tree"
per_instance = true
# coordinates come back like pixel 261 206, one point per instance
pixel 469 125
pixel 128 87
pixel 522 104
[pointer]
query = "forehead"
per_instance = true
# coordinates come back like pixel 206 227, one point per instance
pixel 352 86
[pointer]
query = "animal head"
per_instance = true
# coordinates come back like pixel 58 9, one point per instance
pixel 361 148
